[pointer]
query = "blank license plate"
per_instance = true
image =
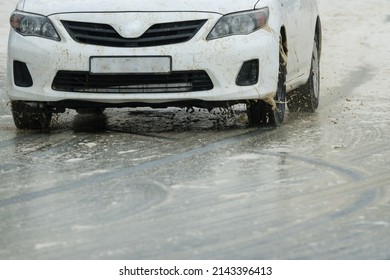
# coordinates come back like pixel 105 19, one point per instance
pixel 130 64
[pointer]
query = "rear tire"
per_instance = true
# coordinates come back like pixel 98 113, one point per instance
pixel 26 118
pixel 306 97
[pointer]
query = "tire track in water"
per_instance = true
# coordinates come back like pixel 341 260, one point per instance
pixel 355 79
pixel 165 161
pixel 367 192
pixel 349 172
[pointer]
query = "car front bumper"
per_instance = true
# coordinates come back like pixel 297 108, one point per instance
pixel 221 59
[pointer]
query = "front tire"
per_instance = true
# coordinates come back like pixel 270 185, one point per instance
pixel 26 118
pixel 262 113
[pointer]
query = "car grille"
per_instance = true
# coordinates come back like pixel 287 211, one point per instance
pixel 132 83
pixel 156 35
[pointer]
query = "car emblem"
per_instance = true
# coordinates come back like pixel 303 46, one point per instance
pixel 132 30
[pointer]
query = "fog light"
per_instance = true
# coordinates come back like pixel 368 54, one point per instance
pixel 22 77
pixel 249 73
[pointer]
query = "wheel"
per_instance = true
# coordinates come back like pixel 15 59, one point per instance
pixel 306 97
pixel 26 117
pixel 90 111
pixel 262 113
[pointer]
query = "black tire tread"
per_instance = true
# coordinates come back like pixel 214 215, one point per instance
pixel 29 120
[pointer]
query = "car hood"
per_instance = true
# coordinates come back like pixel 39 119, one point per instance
pixel 49 7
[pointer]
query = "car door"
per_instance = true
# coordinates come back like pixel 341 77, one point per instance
pixel 298 18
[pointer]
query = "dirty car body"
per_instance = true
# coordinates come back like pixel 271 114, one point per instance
pixel 94 54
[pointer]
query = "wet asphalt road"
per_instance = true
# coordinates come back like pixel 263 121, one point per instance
pixel 172 184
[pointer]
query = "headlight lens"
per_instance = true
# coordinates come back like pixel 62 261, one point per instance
pixel 240 23
pixel 33 25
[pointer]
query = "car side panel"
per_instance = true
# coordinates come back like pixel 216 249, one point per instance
pixel 299 18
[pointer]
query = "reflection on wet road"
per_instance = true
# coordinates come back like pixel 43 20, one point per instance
pixel 173 184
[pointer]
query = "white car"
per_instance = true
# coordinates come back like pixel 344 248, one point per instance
pixel 92 54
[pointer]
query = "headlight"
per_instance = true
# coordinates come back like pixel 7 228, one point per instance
pixel 239 23
pixel 33 25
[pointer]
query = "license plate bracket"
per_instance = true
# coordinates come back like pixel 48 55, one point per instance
pixel 130 64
